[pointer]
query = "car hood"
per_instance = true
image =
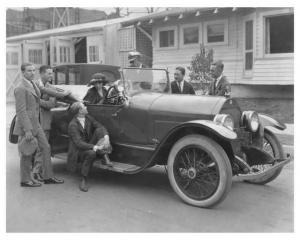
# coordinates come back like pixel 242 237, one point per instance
pixel 187 104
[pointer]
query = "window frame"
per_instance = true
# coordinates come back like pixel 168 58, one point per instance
pixel 170 28
pixel 200 35
pixel 35 56
pixel 221 21
pixel 94 55
pixel 271 55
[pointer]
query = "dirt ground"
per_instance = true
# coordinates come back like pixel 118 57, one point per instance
pixel 280 109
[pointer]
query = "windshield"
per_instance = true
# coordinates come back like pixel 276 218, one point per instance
pixel 145 80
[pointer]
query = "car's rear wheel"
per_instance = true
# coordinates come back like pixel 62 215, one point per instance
pixel 199 171
pixel 272 146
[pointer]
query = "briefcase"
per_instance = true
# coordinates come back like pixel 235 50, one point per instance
pixel 12 137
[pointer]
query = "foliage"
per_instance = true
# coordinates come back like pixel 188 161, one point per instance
pixel 199 68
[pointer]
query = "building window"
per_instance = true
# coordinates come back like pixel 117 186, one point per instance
pixel 35 56
pixel 93 54
pixel 280 34
pixel 216 32
pixel 12 58
pixel 64 54
pixel 249 45
pixel 190 35
pixel 167 38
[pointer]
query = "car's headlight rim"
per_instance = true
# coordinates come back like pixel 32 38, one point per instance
pixel 251 120
pixel 225 120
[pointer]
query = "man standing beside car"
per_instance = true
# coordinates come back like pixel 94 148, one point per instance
pixel 219 85
pixel 28 127
pixel 47 102
pixel 179 85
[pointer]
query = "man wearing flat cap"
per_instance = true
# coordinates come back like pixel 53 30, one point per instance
pixel 89 140
pixel 97 93
pixel 134 59
pixel 219 86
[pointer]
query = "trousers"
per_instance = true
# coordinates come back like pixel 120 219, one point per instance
pixel 89 156
pixel 38 159
pixel 26 161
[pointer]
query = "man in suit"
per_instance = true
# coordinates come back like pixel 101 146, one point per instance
pixel 88 140
pixel 27 126
pixel 219 86
pixel 47 102
pixel 179 85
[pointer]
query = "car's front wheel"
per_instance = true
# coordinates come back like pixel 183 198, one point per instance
pixel 199 171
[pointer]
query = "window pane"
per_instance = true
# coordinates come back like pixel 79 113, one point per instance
pixel 14 58
pixel 249 35
pixel 166 38
pixel 281 34
pixel 215 33
pixel 190 35
pixel 249 61
pixel 7 58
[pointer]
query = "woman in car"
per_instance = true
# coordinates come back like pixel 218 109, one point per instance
pixel 97 93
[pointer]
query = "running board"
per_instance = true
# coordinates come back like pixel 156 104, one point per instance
pixel 116 167
pixel 254 175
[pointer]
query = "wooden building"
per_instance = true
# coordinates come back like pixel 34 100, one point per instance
pixel 255 44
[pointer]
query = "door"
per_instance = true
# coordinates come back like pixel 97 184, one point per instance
pixel 248 26
pixel 95 52
pixel 62 49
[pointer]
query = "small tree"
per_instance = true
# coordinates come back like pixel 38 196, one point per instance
pixel 199 69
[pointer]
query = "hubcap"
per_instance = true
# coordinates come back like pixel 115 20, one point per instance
pixel 192 173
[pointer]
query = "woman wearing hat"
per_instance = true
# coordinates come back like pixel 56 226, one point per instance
pixel 97 93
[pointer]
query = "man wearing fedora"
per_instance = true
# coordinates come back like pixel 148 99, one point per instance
pixel 219 85
pixel 28 128
pixel 97 93
pixel 89 139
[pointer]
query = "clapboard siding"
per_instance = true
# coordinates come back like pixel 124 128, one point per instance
pixel 231 54
pixel 270 71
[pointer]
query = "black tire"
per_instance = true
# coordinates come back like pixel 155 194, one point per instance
pixel 274 148
pixel 208 176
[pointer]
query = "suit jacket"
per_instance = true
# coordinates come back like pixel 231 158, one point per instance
pixel 187 88
pixel 27 108
pixel 80 138
pixel 222 89
pixel 47 102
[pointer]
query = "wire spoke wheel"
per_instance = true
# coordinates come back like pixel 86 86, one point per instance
pixel 199 171
pixel 196 173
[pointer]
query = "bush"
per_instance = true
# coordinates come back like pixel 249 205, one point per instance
pixel 199 69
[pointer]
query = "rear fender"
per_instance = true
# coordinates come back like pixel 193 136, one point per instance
pixel 267 120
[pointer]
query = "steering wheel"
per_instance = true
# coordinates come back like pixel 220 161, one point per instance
pixel 114 96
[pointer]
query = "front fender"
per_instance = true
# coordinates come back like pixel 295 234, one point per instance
pixel 218 129
pixel 267 120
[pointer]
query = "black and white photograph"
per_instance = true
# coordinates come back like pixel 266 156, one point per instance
pixel 173 119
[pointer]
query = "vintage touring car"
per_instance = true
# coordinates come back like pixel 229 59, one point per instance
pixel 203 140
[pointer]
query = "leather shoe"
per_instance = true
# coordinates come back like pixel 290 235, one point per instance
pixel 53 180
pixel 83 186
pixel 37 177
pixel 30 184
